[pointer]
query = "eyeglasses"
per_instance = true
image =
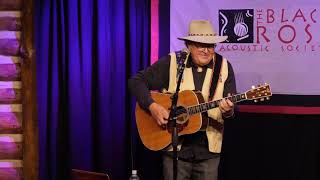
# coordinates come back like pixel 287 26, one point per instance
pixel 203 47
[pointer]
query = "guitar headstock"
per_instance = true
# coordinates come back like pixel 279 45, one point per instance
pixel 261 92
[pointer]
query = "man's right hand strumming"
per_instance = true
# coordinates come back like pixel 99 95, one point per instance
pixel 159 113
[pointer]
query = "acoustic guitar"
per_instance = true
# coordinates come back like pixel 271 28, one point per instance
pixel 190 109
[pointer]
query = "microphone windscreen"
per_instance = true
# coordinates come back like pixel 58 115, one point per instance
pixel 185 50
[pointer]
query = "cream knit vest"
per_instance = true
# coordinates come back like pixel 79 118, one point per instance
pixel 214 136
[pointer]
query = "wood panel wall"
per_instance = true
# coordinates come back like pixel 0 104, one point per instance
pixel 18 122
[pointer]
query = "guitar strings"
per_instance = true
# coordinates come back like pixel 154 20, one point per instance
pixel 232 98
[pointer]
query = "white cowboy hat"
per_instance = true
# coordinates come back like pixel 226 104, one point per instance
pixel 202 31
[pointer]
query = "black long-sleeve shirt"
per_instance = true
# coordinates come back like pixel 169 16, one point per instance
pixel 156 77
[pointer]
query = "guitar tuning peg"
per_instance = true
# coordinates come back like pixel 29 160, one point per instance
pixel 262 99
pixel 267 98
pixel 253 87
pixel 255 101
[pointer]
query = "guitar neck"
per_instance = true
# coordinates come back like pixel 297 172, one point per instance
pixel 213 104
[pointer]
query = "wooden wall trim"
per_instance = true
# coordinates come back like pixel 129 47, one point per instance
pixel 9 47
pixel 10 72
pixel 10 23
pixel 10 108
pixel 11 169
pixel 10 92
pixel 10 163
pixel 28 78
pixel 9 59
pixel 10 122
pixel 10 146
pixel 10 4
pixel 11 173
pixel 10 34
pixel 10 14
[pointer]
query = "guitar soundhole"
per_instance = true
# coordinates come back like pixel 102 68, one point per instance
pixel 181 110
pixel 182 120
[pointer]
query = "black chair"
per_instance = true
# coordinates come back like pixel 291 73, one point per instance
pixel 78 174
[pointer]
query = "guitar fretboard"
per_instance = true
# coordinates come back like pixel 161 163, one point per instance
pixel 213 104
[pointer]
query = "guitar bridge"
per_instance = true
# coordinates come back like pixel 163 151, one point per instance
pixel 180 127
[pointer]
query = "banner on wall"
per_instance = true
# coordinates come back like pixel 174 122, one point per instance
pixel 273 41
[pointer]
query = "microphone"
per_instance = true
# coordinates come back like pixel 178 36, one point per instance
pixel 183 55
pixel 185 50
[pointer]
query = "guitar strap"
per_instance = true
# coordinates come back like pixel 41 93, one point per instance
pixel 215 75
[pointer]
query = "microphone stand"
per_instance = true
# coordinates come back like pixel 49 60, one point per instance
pixel 173 116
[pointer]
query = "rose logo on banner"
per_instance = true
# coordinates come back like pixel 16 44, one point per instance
pixel 237 24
